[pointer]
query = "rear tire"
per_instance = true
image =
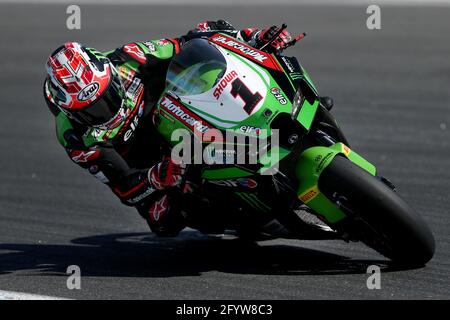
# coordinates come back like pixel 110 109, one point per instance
pixel 384 221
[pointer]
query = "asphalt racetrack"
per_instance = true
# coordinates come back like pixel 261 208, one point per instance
pixel 392 98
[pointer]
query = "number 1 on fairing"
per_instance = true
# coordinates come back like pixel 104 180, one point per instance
pixel 238 88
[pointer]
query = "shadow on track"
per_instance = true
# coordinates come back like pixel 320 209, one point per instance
pixel 190 254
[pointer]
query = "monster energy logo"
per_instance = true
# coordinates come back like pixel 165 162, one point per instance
pixel 96 53
pixel 254 201
pixel 295 75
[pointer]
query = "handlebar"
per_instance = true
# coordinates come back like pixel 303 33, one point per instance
pixel 287 45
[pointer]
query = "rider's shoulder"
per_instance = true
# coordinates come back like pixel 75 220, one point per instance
pixel 161 49
pixel 135 52
pixel 144 52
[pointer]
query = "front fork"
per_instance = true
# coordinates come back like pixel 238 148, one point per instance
pixel 309 167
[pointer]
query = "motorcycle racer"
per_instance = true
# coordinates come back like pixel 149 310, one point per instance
pixel 103 104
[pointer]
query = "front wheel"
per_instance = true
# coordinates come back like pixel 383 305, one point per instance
pixel 376 214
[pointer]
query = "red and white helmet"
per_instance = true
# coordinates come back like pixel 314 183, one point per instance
pixel 86 86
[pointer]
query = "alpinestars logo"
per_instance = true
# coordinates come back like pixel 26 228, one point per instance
pixel 243 48
pixel 203 26
pixel 84 156
pixel 135 52
pixel 184 115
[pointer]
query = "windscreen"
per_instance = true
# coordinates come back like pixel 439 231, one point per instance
pixel 196 69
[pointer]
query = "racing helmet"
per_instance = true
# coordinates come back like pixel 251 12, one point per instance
pixel 85 85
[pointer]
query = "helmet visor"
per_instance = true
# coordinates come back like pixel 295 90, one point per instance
pixel 107 107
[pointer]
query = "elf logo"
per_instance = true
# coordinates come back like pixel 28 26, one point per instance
pixel 134 122
pixel 250 129
pixel 133 125
pixel 278 95
pixel 88 92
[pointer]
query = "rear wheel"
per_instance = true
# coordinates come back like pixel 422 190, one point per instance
pixel 377 216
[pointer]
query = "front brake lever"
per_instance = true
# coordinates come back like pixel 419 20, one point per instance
pixel 291 43
pixel 275 36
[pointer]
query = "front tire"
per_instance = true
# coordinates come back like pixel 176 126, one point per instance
pixel 383 220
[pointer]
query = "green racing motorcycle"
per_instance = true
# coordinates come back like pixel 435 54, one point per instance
pixel 321 188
